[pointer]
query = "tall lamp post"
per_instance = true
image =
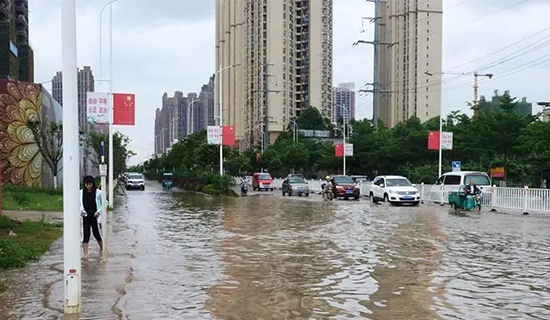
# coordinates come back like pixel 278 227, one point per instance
pixel 344 108
pixel 71 232
pixel 440 124
pixel 295 126
pixel 220 110
pixel 111 102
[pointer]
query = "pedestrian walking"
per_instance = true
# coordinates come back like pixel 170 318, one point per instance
pixel 90 210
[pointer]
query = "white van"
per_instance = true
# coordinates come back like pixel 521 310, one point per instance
pixel 456 178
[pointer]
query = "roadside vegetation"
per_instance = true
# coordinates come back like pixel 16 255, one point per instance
pixel 31 198
pixel 24 242
pixel 502 134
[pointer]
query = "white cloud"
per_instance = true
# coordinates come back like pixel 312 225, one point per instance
pixel 167 45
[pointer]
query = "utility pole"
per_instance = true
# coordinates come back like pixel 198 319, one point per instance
pixel 267 91
pixel 475 105
pixel 376 73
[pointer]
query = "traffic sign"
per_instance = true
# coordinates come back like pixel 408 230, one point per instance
pixel 456 166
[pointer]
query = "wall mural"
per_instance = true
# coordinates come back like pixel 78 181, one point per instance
pixel 20 159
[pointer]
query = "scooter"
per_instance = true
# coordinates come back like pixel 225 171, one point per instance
pixel 244 188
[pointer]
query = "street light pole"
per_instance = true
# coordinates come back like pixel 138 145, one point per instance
pixel 344 135
pixel 440 149
pixel 295 125
pixel 220 115
pixel 191 111
pixel 100 34
pixel 72 274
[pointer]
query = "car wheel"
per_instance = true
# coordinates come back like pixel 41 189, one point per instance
pixel 416 203
pixel 283 193
pixel 386 198
pixel 127 188
pixel 371 198
pixel 307 194
pixel 355 198
pixel 142 188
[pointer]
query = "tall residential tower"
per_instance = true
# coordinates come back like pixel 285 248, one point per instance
pixel 281 53
pixel 410 37
pixel 16 54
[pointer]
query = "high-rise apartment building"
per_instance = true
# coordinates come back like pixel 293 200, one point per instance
pixel 275 58
pixel 16 54
pixel 343 102
pixel 409 33
pixel 85 84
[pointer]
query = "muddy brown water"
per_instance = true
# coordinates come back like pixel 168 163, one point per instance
pixel 184 256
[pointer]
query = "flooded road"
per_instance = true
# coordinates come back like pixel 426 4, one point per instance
pixel 185 256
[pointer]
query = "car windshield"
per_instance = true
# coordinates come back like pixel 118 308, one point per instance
pixel 343 180
pixel 296 180
pixel 400 182
pixel 135 176
pixel 265 177
pixel 479 179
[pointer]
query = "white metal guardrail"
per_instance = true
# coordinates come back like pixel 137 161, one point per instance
pixel 498 198
pixel 522 199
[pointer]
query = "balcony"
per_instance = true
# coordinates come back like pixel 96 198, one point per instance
pixel 5 9
pixel 22 20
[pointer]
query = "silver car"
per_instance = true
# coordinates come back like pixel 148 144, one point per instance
pixel 295 186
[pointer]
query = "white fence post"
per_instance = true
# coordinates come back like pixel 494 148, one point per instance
pixel 525 192
pixel 422 192
pixel 494 191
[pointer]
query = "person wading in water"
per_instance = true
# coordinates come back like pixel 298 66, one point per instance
pixel 90 208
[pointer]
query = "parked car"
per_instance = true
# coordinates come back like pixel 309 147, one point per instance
pixel 358 179
pixel 461 178
pixel 262 181
pixel 394 189
pixel 135 181
pixel 295 186
pixel 344 187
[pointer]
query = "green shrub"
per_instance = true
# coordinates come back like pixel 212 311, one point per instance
pixel 210 189
pixel 20 198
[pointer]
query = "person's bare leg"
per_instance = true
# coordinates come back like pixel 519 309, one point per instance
pixel 100 246
pixel 85 249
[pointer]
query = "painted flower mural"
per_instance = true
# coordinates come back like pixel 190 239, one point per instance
pixel 19 154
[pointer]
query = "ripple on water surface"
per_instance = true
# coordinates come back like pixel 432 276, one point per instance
pixel 184 256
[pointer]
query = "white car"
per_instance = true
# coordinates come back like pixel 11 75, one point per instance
pixel 394 189
pixel 135 181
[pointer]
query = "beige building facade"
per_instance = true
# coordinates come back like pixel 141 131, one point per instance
pixel 276 60
pixel 410 37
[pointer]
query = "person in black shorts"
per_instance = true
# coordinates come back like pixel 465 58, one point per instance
pixel 90 209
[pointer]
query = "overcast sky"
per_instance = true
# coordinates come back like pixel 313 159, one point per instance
pixel 168 45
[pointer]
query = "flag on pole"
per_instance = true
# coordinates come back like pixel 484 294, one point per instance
pixel 339 150
pixel 228 135
pixel 433 140
pixel 124 109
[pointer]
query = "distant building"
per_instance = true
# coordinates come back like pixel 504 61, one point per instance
pixel 523 107
pixel 546 114
pixel 16 53
pixel 85 84
pixel 343 98
pixel 410 39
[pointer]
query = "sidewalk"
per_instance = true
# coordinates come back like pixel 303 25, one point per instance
pixel 33 215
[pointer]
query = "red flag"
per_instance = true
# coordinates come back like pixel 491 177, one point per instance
pixel 339 150
pixel 124 109
pixel 433 140
pixel 228 135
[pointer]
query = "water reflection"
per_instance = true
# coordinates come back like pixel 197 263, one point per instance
pixel 177 255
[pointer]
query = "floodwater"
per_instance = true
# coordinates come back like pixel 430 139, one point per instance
pixel 176 255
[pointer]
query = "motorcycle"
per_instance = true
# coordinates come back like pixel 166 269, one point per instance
pixel 477 199
pixel 244 188
pixel 327 193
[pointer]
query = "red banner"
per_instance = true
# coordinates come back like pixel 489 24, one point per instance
pixel 433 140
pixel 228 135
pixel 124 109
pixel 339 150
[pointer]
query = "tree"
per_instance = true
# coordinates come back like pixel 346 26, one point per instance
pixel 48 136
pixel 122 153
pixel 311 119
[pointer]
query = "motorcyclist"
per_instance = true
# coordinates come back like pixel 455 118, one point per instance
pixel 326 186
pixel 243 181
pixel 472 189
